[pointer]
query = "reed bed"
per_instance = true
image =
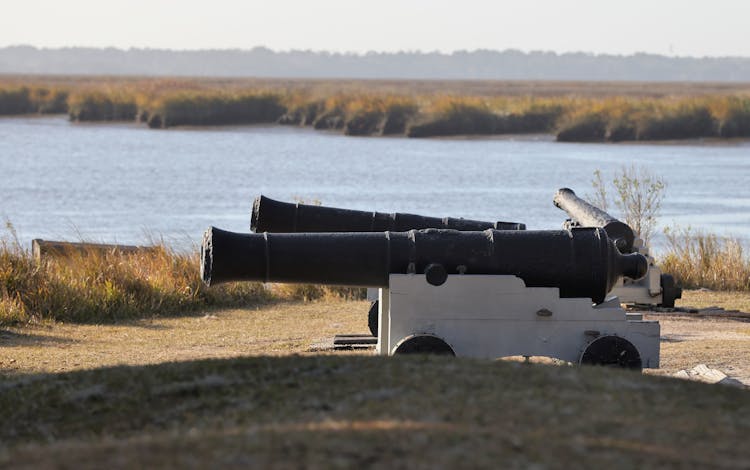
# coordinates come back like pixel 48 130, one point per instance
pixel 619 119
pixel 572 112
pixel 213 108
pixel 94 286
pixel 698 260
pixel 28 100
pixel 97 105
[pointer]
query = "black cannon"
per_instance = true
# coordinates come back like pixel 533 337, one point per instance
pixel 581 262
pixel 588 215
pixel 657 288
pixel 283 217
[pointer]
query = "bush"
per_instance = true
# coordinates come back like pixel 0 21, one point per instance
pixel 638 196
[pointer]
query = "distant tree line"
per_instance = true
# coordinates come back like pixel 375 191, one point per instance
pixel 466 65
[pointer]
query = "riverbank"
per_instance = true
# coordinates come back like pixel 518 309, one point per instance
pixel 573 112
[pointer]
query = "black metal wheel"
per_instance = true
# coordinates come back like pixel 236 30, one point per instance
pixel 373 316
pixel 424 344
pixel 612 351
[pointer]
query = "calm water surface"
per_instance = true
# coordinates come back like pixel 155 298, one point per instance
pixel 126 183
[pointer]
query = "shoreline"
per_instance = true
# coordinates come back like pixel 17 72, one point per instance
pixel 521 137
pixel 572 112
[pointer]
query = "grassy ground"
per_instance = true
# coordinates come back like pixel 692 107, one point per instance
pixel 739 301
pixel 274 329
pixel 255 387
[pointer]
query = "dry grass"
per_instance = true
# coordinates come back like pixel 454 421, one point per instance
pixel 291 406
pixel 98 286
pixel 738 301
pixel 574 111
pixel 276 328
pixel 18 99
pixel 698 260
pixel 102 105
pixel 95 286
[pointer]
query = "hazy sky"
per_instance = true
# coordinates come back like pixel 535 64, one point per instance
pixel 672 27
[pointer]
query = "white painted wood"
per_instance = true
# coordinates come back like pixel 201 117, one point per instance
pixel 492 316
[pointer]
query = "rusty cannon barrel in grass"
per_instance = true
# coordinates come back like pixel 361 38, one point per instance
pixel 581 262
pixel 588 215
pixel 270 215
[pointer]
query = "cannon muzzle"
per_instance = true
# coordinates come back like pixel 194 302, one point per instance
pixel 588 215
pixel 276 216
pixel 582 262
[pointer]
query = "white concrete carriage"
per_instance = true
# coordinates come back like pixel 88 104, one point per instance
pixel 492 316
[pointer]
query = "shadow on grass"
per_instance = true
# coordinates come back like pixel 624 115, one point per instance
pixel 310 411
pixel 13 338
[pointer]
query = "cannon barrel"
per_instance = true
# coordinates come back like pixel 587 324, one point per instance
pixel 582 262
pixel 270 215
pixel 588 215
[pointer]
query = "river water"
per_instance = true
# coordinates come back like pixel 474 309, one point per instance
pixel 123 183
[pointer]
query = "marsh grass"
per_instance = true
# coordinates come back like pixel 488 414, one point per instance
pixel 578 112
pixel 102 105
pixel 100 286
pixel 699 260
pixel 26 100
pixel 92 285
pixel 15 100
pixel 646 119
pixel 197 108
